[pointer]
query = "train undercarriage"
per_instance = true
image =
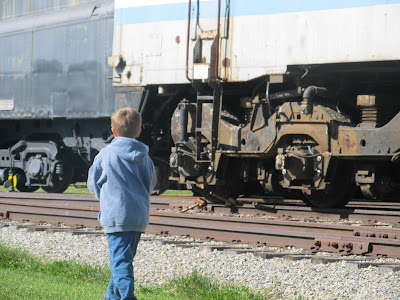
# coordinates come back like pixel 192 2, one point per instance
pixel 50 154
pixel 299 107
pixel 324 143
pixel 324 138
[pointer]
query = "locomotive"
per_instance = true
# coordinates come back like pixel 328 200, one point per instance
pixel 282 97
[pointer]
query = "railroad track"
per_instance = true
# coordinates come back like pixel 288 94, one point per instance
pixel 355 211
pixel 82 211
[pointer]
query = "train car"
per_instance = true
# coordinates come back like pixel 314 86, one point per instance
pixel 296 97
pixel 56 93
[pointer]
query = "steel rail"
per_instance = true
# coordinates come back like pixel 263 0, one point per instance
pixel 279 237
pixel 344 239
pixel 364 214
pixel 82 210
pixel 369 212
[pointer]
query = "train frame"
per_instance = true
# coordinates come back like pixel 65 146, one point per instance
pixel 295 98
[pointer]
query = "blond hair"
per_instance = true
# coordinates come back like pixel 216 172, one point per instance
pixel 127 122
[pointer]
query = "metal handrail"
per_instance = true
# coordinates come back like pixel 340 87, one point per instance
pixel 187 42
pixel 216 71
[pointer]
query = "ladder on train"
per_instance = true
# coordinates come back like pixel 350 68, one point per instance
pixel 216 100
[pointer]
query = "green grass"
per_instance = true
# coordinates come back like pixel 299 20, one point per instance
pixel 21 285
pixel 194 286
pixel 25 277
pixel 78 188
pixel 81 188
pixel 182 193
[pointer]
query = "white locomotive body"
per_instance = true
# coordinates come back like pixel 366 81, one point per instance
pixel 256 38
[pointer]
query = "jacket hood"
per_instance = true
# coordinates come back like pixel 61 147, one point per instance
pixel 129 149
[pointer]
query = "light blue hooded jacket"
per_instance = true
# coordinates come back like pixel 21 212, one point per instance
pixel 122 177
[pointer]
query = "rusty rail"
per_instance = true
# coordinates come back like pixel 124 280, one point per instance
pixel 368 212
pixel 82 210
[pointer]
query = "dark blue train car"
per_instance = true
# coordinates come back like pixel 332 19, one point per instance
pixel 56 95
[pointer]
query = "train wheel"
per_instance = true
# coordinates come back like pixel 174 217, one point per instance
pixel 162 173
pixel 338 193
pixel 233 185
pixel 60 186
pixel 22 187
pixel 329 198
pixel 27 189
pixel 221 195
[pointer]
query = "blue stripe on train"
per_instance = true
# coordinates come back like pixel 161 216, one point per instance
pixel 208 9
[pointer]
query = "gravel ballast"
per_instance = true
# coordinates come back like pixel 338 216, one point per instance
pixel 155 264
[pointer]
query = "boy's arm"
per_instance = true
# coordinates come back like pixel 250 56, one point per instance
pixel 93 182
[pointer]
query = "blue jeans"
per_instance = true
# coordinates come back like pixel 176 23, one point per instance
pixel 122 247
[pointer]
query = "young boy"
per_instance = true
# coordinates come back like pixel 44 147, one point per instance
pixel 122 177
